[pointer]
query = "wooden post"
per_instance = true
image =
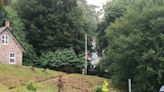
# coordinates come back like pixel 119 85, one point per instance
pixel 60 84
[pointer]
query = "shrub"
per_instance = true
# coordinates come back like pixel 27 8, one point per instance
pixel 61 60
pixel 98 88
pixel 31 87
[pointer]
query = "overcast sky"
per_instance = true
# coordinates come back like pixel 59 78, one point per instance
pixel 97 2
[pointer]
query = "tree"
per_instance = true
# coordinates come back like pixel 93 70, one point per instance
pixel 62 60
pixel 113 10
pixel 53 24
pixel 135 48
pixel 90 15
pixel 2 13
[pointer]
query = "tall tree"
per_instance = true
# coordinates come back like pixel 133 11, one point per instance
pixel 113 10
pixel 135 48
pixel 53 24
pixel 90 15
pixel 2 13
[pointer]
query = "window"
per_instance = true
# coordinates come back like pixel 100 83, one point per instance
pixel 5 39
pixel 12 58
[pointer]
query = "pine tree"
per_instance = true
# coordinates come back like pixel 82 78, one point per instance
pixel 53 24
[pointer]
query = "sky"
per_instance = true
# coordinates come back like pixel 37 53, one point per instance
pixel 97 2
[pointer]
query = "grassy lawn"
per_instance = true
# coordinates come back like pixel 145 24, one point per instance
pixel 18 78
pixel 39 88
pixel 12 76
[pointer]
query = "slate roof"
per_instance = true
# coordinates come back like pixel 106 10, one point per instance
pixel 2 29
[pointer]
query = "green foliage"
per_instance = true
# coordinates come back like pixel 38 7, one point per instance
pixel 2 16
pixel 98 88
pixel 53 24
pixel 90 15
pixel 113 10
pixel 31 87
pixel 103 88
pixel 135 46
pixel 62 60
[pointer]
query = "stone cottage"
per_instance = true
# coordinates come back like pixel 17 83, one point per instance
pixel 11 51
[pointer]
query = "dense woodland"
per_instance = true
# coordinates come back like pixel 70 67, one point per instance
pixel 130 37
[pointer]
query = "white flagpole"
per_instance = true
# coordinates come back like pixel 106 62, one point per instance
pixel 84 70
pixel 129 84
pixel 86 54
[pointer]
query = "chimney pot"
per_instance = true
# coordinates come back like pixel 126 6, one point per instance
pixel 7 23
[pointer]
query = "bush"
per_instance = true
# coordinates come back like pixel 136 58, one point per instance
pixel 103 88
pixel 98 88
pixel 61 60
pixel 31 87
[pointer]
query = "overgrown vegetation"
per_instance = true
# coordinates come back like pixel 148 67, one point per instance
pixel 135 44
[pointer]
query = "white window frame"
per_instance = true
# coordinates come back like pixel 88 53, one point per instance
pixel 5 39
pixel 12 58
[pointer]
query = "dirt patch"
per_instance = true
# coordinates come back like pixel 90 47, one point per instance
pixel 76 83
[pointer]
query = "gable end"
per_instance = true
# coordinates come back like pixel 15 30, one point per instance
pixel 3 29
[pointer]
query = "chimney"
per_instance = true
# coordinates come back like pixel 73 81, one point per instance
pixel 7 23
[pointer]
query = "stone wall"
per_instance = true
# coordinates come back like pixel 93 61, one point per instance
pixel 11 47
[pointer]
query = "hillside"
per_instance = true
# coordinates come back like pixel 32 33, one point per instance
pixel 18 78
